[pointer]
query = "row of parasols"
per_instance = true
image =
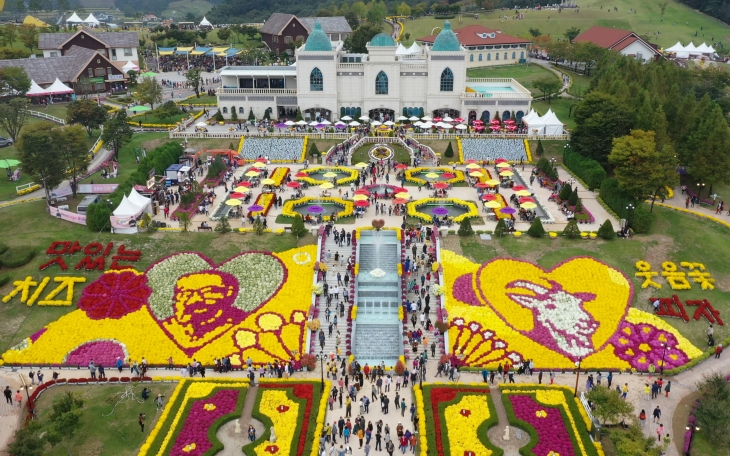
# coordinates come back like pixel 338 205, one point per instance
pixel 495 125
pixel 344 122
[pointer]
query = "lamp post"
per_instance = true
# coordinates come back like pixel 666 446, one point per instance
pixel 577 377
pixel 565 149
pixel 664 352
pixel 630 208
pixel 700 186
pixel 321 357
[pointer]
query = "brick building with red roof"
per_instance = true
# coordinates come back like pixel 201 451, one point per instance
pixel 487 47
pixel 624 42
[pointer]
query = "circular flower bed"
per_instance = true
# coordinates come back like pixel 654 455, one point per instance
pixel 381 152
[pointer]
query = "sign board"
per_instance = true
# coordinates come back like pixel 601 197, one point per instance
pixel 151 182
pixel 69 216
pixel 97 188
pixel 123 221
pixel 116 76
pixel 96 80
pixel 60 192
pixel 151 174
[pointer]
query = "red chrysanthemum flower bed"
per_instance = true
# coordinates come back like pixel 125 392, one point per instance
pixel 114 295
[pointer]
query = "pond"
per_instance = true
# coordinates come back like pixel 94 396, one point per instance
pixel 454 211
pixel 329 208
pixel 319 175
pixel 439 171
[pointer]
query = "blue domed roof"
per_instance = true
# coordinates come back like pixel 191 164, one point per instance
pixel 446 40
pixel 382 40
pixel 318 40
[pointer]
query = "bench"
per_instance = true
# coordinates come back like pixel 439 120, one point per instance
pixel 205 228
pixel 64 207
pixel 287 228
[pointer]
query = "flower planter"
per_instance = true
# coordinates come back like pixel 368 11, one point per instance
pixel 518 234
pixel 553 235
pixel 593 235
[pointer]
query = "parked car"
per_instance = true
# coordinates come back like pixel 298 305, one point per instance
pixel 5 142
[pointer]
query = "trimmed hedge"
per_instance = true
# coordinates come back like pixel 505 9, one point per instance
pixel 15 257
pixel 588 169
pixel 3 248
pixel 616 199
pixel 4 279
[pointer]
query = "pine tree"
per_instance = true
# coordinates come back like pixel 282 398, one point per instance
pixel 465 228
pixel 223 225
pixel 267 116
pixel 565 192
pixel 299 115
pixel 251 117
pixel 571 230
pixel 501 228
pixel 297 227
pixel 540 150
pixel 573 199
pixel 606 231
pixel 234 114
pixel 578 206
pixel 449 153
pixel 543 165
pixel 536 229
pixel 313 150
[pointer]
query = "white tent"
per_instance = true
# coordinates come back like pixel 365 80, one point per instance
pixel 129 66
pixel 414 49
pixel 74 19
pixel 703 49
pixel 91 20
pixel 205 23
pixel 711 49
pixel 126 208
pixel 551 124
pixel 676 48
pixel 124 217
pixel 531 117
pixel 58 88
pixel 140 201
pixel 401 50
pixel 35 90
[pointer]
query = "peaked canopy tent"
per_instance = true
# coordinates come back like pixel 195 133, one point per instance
pixel 58 88
pixel 74 19
pixel 551 124
pixel 36 90
pixel 676 48
pixel 124 217
pixel 91 20
pixel 530 118
pixel 205 23
pixel 130 66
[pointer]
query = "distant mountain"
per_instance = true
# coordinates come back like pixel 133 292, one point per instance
pixel 260 10
pixel 719 9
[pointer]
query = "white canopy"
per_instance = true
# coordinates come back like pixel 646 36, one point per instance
pixel 676 48
pixel 126 208
pixel 705 49
pixel 530 118
pixel 129 66
pixel 205 23
pixel 139 200
pixel 58 88
pixel 690 47
pixel 91 20
pixel 35 90
pixel 414 49
pixel 401 50
pixel 74 18
pixel 551 124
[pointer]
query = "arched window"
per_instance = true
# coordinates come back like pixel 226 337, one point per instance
pixel 489 56
pixel 522 54
pixel 240 110
pixel 410 112
pixel 485 116
pixel 347 111
pixel 315 80
pixel 447 81
pixel 505 56
pixel 471 58
pixel 505 116
pixel 480 57
pixel 519 116
pixel 225 110
pixel 497 56
pixel 514 55
pixel 381 84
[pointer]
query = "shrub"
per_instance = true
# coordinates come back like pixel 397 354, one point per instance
pixel 642 220
pixel 442 326
pixel 4 279
pixel 3 248
pixel 589 170
pixel 536 229
pixel 251 117
pixel 571 230
pixel 97 217
pixel 314 150
pixel 309 361
pixel 223 226
pixel 297 227
pixel 465 228
pixel 543 164
pixel 216 168
pixel 606 231
pixel 399 367
pixel 16 257
pixel 449 153
pixel 540 150
pixel 573 198
pixel 146 224
pixel 617 200
pixel 234 115
pixel 267 116
pixel 501 228
pixel 452 231
pixel 184 222
pixel 579 206
pixel 219 116
pixel 565 192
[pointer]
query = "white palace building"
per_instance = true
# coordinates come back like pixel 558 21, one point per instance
pixel 326 82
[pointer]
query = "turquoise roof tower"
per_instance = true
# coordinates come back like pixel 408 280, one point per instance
pixel 318 40
pixel 382 40
pixel 446 40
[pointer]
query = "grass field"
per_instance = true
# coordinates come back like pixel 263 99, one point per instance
pixel 680 22
pixel 560 106
pixel 523 74
pixel 361 154
pixel 106 429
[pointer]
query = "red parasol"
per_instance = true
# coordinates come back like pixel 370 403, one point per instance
pixel 470 161
pixel 482 185
pixel 401 166
pixel 400 190
pixel 509 121
pixel 362 192
pixel 261 160
pixel 301 174
pixel 448 175
pixel 400 201
pixel 477 122
pixel 517 188
pixel 526 199
pixel 441 185
pixel 238 195
pixel 489 197
pixel 459 120
pixel 500 160
pixel 244 184
pixel 293 184
pixel 495 122
pixel 362 204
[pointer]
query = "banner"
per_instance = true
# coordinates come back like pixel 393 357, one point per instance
pixel 123 222
pixel 97 188
pixel 69 216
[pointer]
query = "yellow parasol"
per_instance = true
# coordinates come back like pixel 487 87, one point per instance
pixel 252 174
pixel 233 202
pixel 523 193
pixel 361 165
pixel 528 205
pixel 476 174
pixel 472 166
pixel 330 174
pixel 506 173
pixel 493 204
pixel 268 181
pixel 360 198
pixel 432 175
pixel 503 165
pixel 326 185
pixel 259 165
pixel 242 189
pixel 402 195
pixel 492 182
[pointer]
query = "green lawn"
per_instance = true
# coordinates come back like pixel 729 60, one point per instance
pixel 150 118
pixel 106 429
pixel 29 225
pixel 361 154
pixel 553 149
pixel 523 74
pixel 127 160
pixel 561 108
pixel 675 237
pixel 204 99
pixel 680 22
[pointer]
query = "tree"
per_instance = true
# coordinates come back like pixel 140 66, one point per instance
pixel 251 117
pixel 465 228
pixel 13 116
pixel 449 152
pixel 36 151
pixel 536 230
pixel 501 229
pixel 535 32
pixel 28 36
pixel 297 227
pixel 70 145
pixel 663 7
pixel 167 110
pixel 9 33
pixel 407 36
pixel 403 9
pixel 360 9
pixel 26 441
pixel 573 198
pixel 605 231
pixel 609 407
pixel 314 150
pixel 193 80
pixel 223 226
pixel 146 224
pixel 376 13
pixel 184 221
pixel 224 34
pixel 258 226
pixel 571 230
pixel 299 115
pixel 149 91
pixel 588 53
pixel 633 442
pixel 540 150
pixel 87 113
pixel 710 162
pixel 548 85
pixel 599 117
pixel 20 7
pixel 65 419
pixel 117 132
pixel 14 80
pixel 132 77
pixel 713 410
pixel 352 19
pixel 234 114
pixel 358 40
pixel 571 33
pixel 62 6
pixel 639 168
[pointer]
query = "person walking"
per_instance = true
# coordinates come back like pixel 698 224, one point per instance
pixel 718 351
pixel 659 432
pixel 390 448
pixel 625 391
pixel 667 388
pixel 657 414
pixel 8 395
pixel 140 420
pixel 251 433
pixel 642 418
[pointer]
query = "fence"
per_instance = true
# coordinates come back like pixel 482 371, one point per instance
pixel 43 115
pixel 26 188
pixel 238 134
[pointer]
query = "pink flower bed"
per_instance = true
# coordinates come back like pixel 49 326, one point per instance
pixel 103 352
pixel 551 430
pixel 199 420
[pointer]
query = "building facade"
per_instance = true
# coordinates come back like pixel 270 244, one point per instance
pixel 487 47
pixel 119 47
pixel 625 42
pixel 281 29
pixel 328 83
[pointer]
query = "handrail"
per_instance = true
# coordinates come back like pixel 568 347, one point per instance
pixel 94 149
pixel 43 115
pixel 227 91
